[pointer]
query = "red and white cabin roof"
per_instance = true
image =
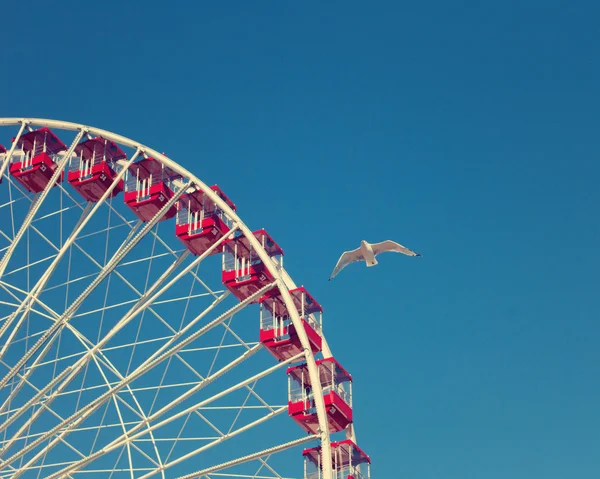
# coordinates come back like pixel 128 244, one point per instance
pixel 196 198
pixel 273 301
pixel 151 166
pixel 2 149
pixel 53 143
pixel 243 245
pixel 325 370
pixel 100 146
pixel 342 453
pixel 223 196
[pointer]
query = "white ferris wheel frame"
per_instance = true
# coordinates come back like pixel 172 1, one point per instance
pixel 281 278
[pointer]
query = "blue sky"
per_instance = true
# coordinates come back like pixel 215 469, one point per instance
pixel 467 131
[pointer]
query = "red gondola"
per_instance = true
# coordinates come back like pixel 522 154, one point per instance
pixel 347 459
pixel 200 222
pixel 336 384
pixel 34 163
pixel 277 332
pixel 94 168
pixel 243 272
pixel 149 186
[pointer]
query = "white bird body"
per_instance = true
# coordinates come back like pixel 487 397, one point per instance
pixel 367 252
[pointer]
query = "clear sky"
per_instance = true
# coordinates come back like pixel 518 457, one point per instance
pixel 467 131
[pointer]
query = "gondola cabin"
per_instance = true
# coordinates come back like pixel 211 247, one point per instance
pixel 277 332
pixel 243 271
pixel 34 160
pixel 200 222
pixel 347 459
pixel 94 167
pixel 148 187
pixel 336 384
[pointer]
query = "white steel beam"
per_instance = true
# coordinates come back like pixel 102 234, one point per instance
pixel 9 155
pixel 150 363
pixel 145 301
pixel 216 442
pixel 86 216
pixel 29 299
pixel 108 268
pixel 122 424
pixel 135 433
pixel 76 368
pixel 38 202
pixel 88 345
pixel 250 457
pixel 283 280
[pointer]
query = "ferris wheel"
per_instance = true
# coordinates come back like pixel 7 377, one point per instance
pixel 145 330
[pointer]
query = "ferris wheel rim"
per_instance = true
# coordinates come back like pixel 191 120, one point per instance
pixel 283 280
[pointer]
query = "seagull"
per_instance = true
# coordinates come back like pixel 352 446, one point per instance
pixel 366 252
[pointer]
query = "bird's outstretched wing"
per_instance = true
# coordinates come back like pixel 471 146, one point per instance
pixel 392 246
pixel 346 258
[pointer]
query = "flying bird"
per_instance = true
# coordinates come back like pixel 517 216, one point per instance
pixel 366 252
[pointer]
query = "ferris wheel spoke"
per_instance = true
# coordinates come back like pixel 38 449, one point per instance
pixel 264 463
pixel 106 270
pixel 228 330
pixel 190 270
pixel 54 316
pixel 170 250
pixel 28 301
pixel 98 358
pixel 15 391
pixel 159 356
pixel 128 283
pixel 23 380
pixel 27 436
pixel 84 361
pixel 159 239
pixel 180 399
pixel 146 422
pixel 6 237
pixel 87 213
pixel 242 343
pixel 41 454
pixel 137 431
pixel 112 355
pixel 69 374
pixel 77 206
pixel 54 413
pixel 60 165
pixel 29 265
pixel 148 298
pixel 43 406
pixel 250 457
pixel 125 224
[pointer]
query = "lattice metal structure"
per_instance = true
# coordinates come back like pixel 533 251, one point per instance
pixel 129 345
